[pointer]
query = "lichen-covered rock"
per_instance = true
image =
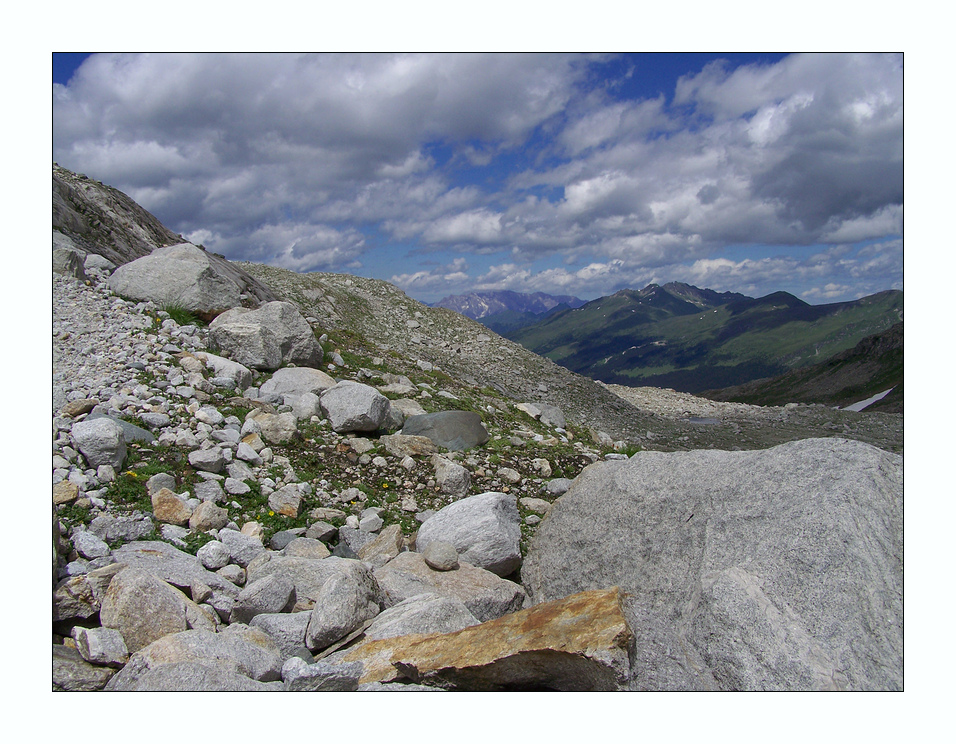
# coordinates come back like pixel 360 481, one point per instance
pixel 579 643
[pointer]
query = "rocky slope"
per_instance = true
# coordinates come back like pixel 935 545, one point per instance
pixel 345 498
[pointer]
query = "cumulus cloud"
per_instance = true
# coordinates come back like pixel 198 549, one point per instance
pixel 297 159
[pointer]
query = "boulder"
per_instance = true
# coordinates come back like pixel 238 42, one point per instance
pixel 101 441
pixel 307 574
pixel 207 516
pixel 170 508
pixel 277 428
pixel 193 676
pixel 286 629
pixel 579 643
pixel 352 406
pixel 486 595
pixel 296 381
pixel 270 594
pixel 384 547
pixel 208 460
pixel 273 334
pixel 180 275
pixel 142 608
pixel 103 646
pixel 286 501
pixel 452 478
pixel 240 374
pixel 774 569
pixel 322 676
pixel 485 530
pixel 243 548
pixel 349 598
pixel 306 547
pixel 69 263
pixel 453 430
pixel 440 555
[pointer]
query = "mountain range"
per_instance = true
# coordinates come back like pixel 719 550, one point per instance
pixel 692 339
pixel 504 311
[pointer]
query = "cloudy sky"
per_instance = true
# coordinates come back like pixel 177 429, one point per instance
pixel 568 174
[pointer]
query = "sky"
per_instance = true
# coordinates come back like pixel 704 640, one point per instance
pixel 563 173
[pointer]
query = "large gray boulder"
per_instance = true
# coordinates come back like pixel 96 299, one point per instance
pixel 273 334
pixel 352 406
pixel 453 430
pixel 181 275
pixel 485 530
pixel 775 569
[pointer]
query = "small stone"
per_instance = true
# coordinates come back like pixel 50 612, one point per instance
pixel 441 556
pixel 89 546
pixel 65 492
pixel 101 646
pixel 208 516
pixel 210 460
pixel 170 508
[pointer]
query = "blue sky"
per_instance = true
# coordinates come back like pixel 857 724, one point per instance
pixel 568 174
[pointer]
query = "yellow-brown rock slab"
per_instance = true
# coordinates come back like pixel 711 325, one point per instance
pixel 578 643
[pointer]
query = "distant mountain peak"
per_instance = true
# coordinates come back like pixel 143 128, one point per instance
pixel 477 305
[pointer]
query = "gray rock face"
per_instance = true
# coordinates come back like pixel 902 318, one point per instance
pixel 177 275
pixel 72 673
pixel 484 529
pixel 103 646
pixel 242 548
pixel 193 676
pixel 321 676
pixel 273 334
pixel 101 441
pixel 238 649
pixel 773 569
pixel 453 430
pixel 174 566
pixel 352 406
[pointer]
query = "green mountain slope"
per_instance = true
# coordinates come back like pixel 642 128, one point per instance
pixel 874 365
pixel 693 340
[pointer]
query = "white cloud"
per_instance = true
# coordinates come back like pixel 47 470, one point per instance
pixel 331 147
